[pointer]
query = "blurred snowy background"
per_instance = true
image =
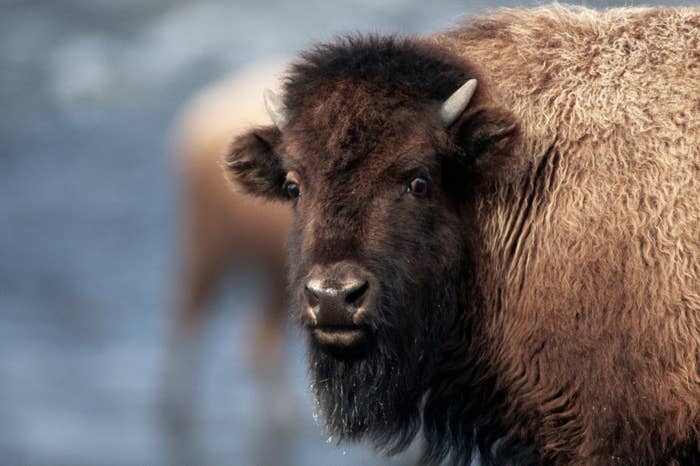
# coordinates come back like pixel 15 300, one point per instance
pixel 88 93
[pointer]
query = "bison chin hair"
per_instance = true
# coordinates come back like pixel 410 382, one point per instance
pixel 378 397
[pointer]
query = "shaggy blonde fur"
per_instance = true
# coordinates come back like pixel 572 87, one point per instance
pixel 592 246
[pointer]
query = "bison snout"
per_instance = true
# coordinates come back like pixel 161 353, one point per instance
pixel 334 296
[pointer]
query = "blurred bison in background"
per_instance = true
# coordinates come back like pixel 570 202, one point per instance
pixel 496 234
pixel 223 229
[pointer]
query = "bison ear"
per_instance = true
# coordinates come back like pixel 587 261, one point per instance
pixel 252 163
pixel 486 136
pixel 484 139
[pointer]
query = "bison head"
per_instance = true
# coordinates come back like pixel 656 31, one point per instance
pixel 378 152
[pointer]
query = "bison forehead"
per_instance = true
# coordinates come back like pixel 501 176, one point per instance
pixel 347 119
pixel 340 146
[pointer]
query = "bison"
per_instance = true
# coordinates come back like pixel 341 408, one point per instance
pixel 496 234
pixel 221 230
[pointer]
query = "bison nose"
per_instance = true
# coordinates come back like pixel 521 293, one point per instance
pixel 335 303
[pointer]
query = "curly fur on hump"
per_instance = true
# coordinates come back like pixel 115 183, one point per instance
pixel 576 332
pixel 590 263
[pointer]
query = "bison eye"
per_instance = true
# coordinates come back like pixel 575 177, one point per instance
pixel 418 186
pixel 292 189
pixel 291 186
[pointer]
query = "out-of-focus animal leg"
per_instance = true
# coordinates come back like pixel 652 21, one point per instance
pixel 278 403
pixel 206 252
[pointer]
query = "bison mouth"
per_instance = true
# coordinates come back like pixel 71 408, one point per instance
pixel 341 341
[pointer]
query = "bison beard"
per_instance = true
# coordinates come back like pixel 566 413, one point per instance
pixel 379 394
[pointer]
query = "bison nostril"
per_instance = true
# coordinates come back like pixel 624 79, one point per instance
pixel 356 294
pixel 311 296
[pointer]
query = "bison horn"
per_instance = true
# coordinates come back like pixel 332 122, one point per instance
pixel 275 108
pixel 455 104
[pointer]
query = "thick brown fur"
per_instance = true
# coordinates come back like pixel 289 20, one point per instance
pixel 542 303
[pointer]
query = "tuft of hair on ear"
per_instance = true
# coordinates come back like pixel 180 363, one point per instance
pixel 486 138
pixel 253 164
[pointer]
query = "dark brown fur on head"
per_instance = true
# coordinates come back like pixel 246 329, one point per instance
pixel 363 122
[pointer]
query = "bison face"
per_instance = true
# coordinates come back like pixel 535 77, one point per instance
pixel 366 249
pixel 378 180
